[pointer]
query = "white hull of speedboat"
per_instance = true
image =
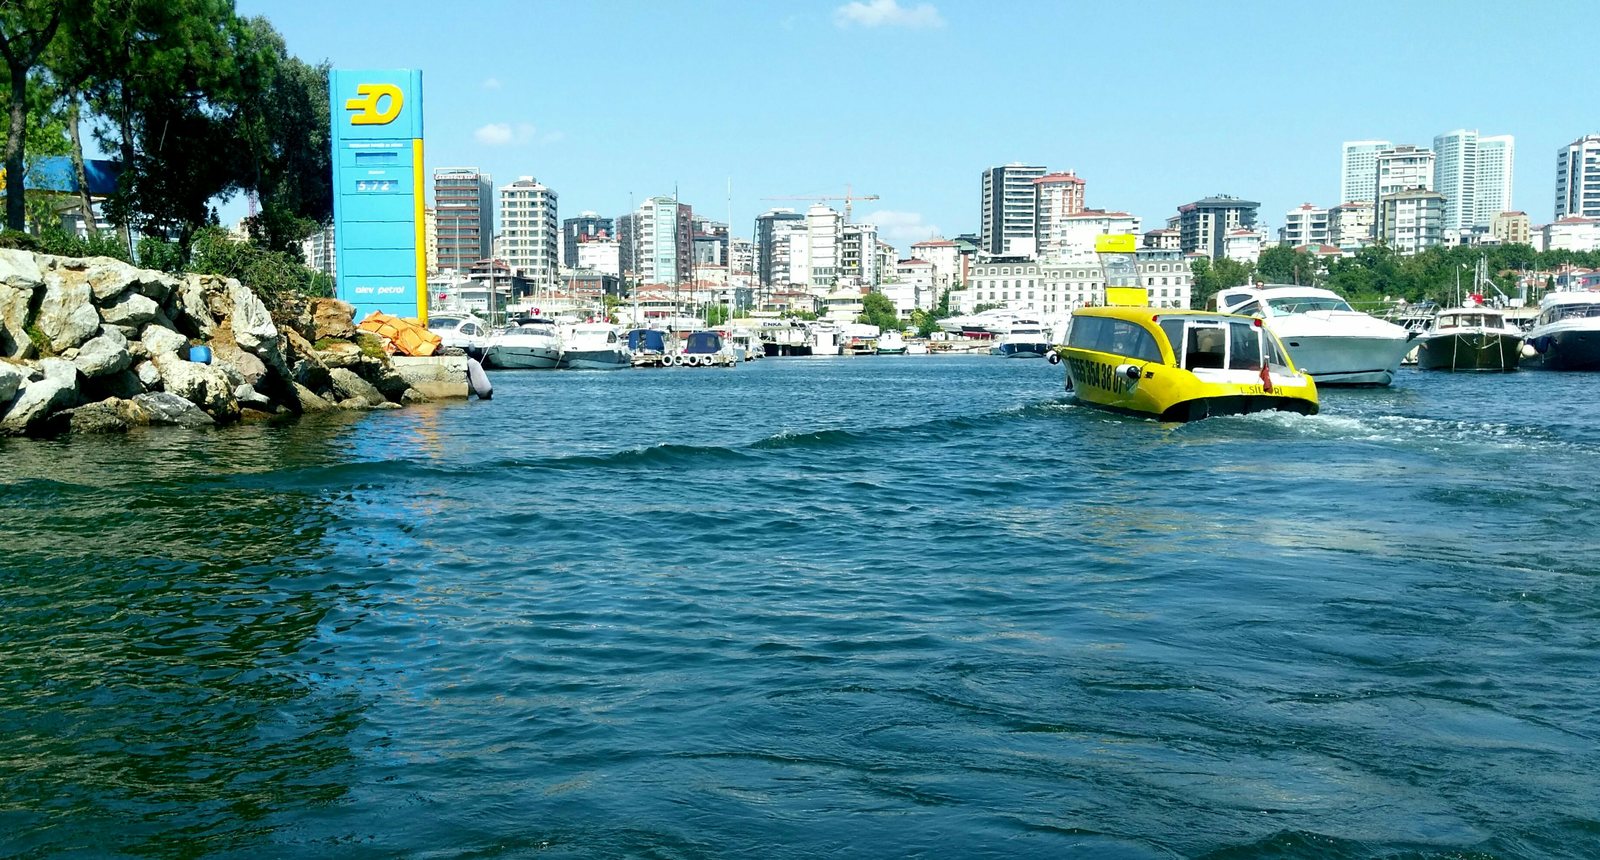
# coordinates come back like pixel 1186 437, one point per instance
pixel 522 357
pixel 1348 359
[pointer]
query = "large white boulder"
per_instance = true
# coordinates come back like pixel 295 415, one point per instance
pixel 11 378
pixel 55 389
pixel 102 355
pixel 19 278
pixel 159 340
pixel 201 384
pixel 130 309
pixel 164 407
pixel 66 315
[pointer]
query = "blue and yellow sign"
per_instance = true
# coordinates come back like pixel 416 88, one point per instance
pixel 378 196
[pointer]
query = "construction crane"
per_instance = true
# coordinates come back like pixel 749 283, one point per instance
pixel 848 198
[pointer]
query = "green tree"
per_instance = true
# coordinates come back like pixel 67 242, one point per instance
pixel 877 309
pixel 716 315
pixel 27 28
pixel 1212 277
pixel 1281 264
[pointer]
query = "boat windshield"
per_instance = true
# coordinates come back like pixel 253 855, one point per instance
pixel 1572 311
pixel 1471 320
pixel 443 323
pixel 1304 304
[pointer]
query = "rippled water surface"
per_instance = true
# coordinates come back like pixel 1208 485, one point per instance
pixel 813 607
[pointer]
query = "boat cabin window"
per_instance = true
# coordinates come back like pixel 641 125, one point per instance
pixel 471 330
pixel 1205 347
pixel 1222 345
pixel 1302 304
pixel 1117 337
pixel 1249 309
pixel 1573 311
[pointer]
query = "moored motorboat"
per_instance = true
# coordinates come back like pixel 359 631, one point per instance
pixel 1179 365
pixel 529 343
pixel 594 346
pixel 1567 333
pixel 648 347
pixel 1327 338
pixel 1025 338
pixel 891 343
pixel 1470 338
pixel 704 349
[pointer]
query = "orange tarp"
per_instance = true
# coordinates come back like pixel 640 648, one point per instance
pixel 404 336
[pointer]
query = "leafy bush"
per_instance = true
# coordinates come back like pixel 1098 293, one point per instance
pixel 56 240
pixel 19 241
pixel 272 274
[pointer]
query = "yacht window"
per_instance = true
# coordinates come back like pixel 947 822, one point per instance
pixel 1302 304
pixel 1449 321
pixel 611 337
pixel 471 330
pixel 1249 309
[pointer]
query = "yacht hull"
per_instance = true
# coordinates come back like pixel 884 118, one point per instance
pixel 1468 350
pixel 595 359
pixel 521 357
pixel 1348 360
pixel 1569 349
pixel 1021 350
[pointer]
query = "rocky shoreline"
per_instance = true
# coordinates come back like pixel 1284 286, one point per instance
pixel 99 346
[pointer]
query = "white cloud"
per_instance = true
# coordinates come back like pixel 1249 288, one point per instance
pixel 491 83
pixel 887 13
pixel 901 229
pixel 505 133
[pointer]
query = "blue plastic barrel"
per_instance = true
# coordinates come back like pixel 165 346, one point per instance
pixel 200 354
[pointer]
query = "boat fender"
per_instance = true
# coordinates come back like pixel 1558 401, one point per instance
pixel 672 359
pixel 479 380
pixel 1053 357
pixel 1129 372
pixel 1528 351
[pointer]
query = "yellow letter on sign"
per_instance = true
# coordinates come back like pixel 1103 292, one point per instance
pixel 366 104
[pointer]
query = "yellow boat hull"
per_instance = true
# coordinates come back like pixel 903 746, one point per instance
pixel 1169 393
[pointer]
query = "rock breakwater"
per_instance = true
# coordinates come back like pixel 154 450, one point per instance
pixel 96 345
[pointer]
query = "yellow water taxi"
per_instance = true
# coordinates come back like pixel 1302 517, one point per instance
pixel 1175 364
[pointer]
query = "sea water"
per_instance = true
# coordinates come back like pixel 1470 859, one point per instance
pixel 884 606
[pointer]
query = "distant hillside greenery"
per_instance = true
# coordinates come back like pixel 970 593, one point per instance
pixel 196 103
pixel 1378 274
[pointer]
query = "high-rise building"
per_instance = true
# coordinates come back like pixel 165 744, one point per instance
pixel 318 251
pixel 1404 168
pixel 710 242
pixel 1411 221
pixel 1358 169
pixel 1305 225
pixel 768 272
pixel 1496 158
pixel 1204 225
pixel 528 230
pixel 588 225
pixel 1055 197
pixel 665 245
pixel 858 254
pixel 1578 178
pixel 821 258
pixel 463 202
pixel 1008 223
pixel 1474 175
pixel 741 257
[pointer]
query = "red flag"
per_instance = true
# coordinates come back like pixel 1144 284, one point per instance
pixel 1266 378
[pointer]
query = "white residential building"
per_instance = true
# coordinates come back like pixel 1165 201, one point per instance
pixel 1074 235
pixel 1404 168
pixel 1578 178
pixel 1008 224
pixel 814 250
pixel 1350 224
pixel 1053 289
pixel 1474 175
pixel 858 254
pixel 600 255
pixel 664 242
pixel 529 230
pixel 946 260
pixel 913 287
pixel 1056 196
pixel 318 251
pixel 1358 169
pixel 1412 221
pixel 1243 245
pixel 1305 225
pixel 1572 233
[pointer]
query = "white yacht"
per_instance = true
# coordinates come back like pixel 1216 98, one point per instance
pixel 1567 333
pixel 1025 338
pixel 530 342
pixel 465 331
pixel 595 346
pixel 995 321
pixel 1335 343
pixel 891 343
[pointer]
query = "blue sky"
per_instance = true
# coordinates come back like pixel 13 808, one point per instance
pixel 1154 104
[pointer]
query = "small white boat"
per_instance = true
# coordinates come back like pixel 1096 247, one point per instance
pixel 464 331
pixel 1470 338
pixel 595 346
pixel 1335 343
pixel 1567 333
pixel 530 343
pixel 891 343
